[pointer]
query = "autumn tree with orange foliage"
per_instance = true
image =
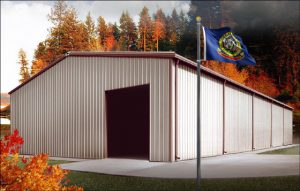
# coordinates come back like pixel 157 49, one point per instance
pixel 227 69
pixel 159 31
pixel 260 81
pixel 250 76
pixel 35 175
pixel 110 41
pixel 24 71
pixel 37 65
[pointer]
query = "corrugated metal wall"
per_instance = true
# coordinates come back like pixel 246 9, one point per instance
pixel 238 120
pixel 186 108
pixel 277 125
pixel 62 111
pixel 262 123
pixel 288 127
pixel 244 114
pixel 212 114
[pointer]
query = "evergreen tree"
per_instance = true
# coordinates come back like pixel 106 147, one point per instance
pixel 36 67
pixel 210 12
pixel 128 31
pixel 102 31
pixel 91 32
pixel 40 59
pixel 116 34
pixel 182 34
pixel 40 52
pixel 110 41
pixel 116 31
pixel 159 31
pixel 145 30
pixel 67 34
pixel 56 17
pixel 171 31
pixel 57 13
pixel 182 24
pixel 24 71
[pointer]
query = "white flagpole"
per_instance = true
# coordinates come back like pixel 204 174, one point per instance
pixel 198 187
pixel 204 43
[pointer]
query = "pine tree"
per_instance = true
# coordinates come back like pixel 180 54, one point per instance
pixel 57 13
pixel 182 24
pixel 170 41
pixel 210 12
pixel 145 30
pixel 182 34
pixel 102 31
pixel 116 31
pixel 41 52
pixel 24 71
pixel 36 67
pixel 110 41
pixel 91 32
pixel 159 31
pixel 127 31
pixel 40 59
pixel 56 17
pixel 67 34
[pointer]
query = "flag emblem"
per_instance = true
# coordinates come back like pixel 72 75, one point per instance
pixel 230 47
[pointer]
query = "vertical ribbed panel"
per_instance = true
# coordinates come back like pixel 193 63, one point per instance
pixel 187 110
pixel 288 127
pixel 211 114
pixel 262 123
pixel 62 111
pixel 238 120
pixel 277 125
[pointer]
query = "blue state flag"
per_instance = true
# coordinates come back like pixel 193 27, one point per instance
pixel 224 46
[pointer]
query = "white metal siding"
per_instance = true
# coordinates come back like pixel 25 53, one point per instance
pixel 288 127
pixel 262 123
pixel 238 120
pixel 62 111
pixel 277 125
pixel 211 114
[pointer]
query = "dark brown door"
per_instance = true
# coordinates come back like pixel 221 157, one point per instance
pixel 128 122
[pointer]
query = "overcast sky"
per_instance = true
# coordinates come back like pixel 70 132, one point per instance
pixel 24 24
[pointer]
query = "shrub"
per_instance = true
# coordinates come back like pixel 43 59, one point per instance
pixel 35 174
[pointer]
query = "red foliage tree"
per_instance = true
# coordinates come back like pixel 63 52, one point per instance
pixel 35 175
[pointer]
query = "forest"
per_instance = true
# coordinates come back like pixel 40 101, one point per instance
pixel 275 49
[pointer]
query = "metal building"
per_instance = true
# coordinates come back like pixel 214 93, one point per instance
pixel 141 104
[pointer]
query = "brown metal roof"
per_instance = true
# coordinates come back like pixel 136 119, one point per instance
pixel 172 55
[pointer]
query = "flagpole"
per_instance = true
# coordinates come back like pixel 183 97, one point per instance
pixel 198 19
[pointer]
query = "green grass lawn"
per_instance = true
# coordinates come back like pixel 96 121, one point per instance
pixel 50 162
pixel 288 151
pixel 94 181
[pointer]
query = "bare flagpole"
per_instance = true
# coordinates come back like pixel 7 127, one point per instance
pixel 198 19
